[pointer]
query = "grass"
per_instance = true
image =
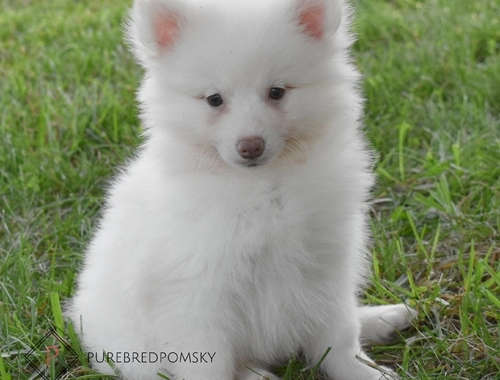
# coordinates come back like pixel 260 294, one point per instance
pixel 432 82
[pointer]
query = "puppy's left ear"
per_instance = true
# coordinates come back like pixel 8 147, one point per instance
pixel 320 19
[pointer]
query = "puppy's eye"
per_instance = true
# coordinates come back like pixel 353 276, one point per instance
pixel 276 93
pixel 214 100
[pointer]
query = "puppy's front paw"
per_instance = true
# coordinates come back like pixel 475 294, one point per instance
pixel 252 372
pixel 384 372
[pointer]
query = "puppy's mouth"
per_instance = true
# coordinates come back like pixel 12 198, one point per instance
pixel 252 163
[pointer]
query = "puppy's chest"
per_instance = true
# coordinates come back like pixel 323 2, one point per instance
pixel 273 276
pixel 248 228
pixel 239 229
pixel 252 249
pixel 268 249
pixel 266 220
pixel 267 207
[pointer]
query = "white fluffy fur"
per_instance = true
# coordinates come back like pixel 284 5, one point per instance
pixel 196 252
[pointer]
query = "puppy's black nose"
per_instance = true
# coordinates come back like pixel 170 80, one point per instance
pixel 251 147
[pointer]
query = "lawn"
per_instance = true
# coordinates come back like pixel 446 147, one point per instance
pixel 432 83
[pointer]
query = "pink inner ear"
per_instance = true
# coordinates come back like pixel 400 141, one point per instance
pixel 313 19
pixel 166 27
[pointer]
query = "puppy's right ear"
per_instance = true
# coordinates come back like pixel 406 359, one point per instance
pixel 320 19
pixel 153 27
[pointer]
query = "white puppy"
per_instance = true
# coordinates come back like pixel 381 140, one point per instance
pixel 237 235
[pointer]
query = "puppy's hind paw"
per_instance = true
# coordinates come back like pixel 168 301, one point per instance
pixel 382 324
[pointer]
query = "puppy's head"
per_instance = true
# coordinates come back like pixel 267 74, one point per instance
pixel 245 81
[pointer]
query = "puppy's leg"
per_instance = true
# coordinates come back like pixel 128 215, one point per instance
pixel 346 359
pixel 381 324
pixel 221 368
pixel 255 372
pixel 197 349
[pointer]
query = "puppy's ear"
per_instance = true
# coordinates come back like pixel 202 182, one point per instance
pixel 153 27
pixel 319 19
